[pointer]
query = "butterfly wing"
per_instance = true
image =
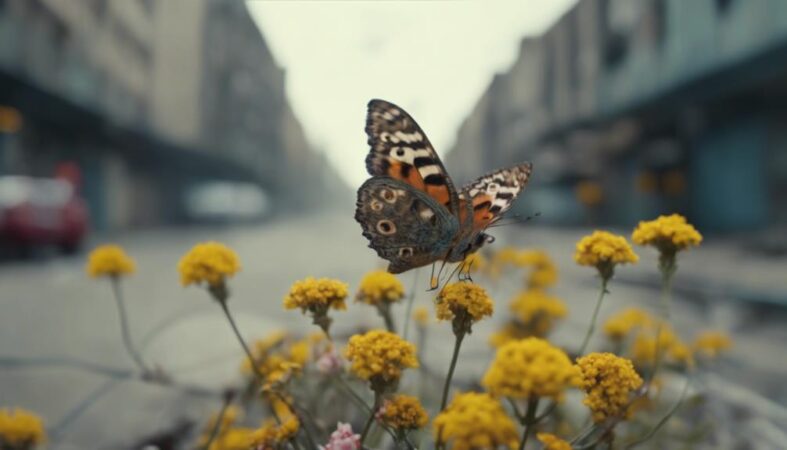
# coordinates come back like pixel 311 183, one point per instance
pixel 482 203
pixel 404 225
pixel 493 194
pixel 401 150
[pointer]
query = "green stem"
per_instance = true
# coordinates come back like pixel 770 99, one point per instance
pixel 217 426
pixel 124 328
pixel 592 326
pixel 410 301
pixel 385 311
pixel 667 270
pixel 664 419
pixel 529 420
pixel 254 367
pixel 370 420
pixel 454 358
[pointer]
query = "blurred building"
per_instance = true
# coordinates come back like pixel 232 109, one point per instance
pixel 631 108
pixel 149 99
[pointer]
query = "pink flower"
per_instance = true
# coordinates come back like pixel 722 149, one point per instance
pixel 343 439
pixel 330 362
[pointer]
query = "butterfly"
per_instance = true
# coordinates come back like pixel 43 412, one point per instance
pixel 409 209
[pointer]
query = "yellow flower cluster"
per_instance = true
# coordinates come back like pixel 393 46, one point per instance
pixel 620 325
pixel 465 299
pixel 109 260
pixel 421 316
pixel 667 233
pixel 379 287
pixel 643 350
pixel 711 343
pixel 235 438
pixel 511 331
pixel 538 310
pixel 474 262
pixel 20 427
pixel 544 270
pixel 552 442
pixel 404 412
pixel 475 421
pixel 530 367
pixel 274 436
pixel 316 295
pixel 208 262
pixel 607 380
pixel 277 357
pixel 380 356
pixel 604 250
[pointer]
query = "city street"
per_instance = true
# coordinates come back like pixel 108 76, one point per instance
pixel 50 310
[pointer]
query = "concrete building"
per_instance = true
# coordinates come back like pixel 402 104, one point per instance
pixel 149 99
pixel 651 106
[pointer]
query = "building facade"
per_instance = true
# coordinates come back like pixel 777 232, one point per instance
pixel 631 108
pixel 148 98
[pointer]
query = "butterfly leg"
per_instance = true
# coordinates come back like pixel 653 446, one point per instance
pixel 433 282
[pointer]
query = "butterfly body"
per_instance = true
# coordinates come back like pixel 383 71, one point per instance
pixel 409 210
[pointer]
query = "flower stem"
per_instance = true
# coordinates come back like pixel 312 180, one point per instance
pixel 234 326
pixel 593 319
pixel 385 311
pixel 410 301
pixel 219 419
pixel 529 420
pixel 667 270
pixel 370 420
pixel 454 358
pixel 124 328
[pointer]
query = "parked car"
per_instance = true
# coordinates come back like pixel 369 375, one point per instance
pixel 41 211
pixel 226 202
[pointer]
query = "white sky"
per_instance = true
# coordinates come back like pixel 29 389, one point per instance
pixel 433 58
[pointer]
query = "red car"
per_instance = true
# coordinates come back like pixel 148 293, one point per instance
pixel 41 211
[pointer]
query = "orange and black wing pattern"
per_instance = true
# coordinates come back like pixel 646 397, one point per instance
pixel 401 150
pixel 493 194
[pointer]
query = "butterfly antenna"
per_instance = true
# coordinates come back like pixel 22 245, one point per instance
pixel 515 220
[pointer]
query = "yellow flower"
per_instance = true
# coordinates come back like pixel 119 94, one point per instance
pixel 511 331
pixel 380 356
pixel 273 436
pixel 421 316
pixel 620 325
pixel 474 262
pixel 277 358
pixel 109 260
pixel 210 263
pixel 711 343
pixel 607 380
pixel 475 421
pixel 403 412
pixel 604 250
pixel 379 287
pixel 236 438
pixel 19 427
pixel 643 350
pixel 682 353
pixel 667 233
pixel 537 310
pixel 530 367
pixel 316 294
pixel 544 270
pixel 463 303
pixel 552 442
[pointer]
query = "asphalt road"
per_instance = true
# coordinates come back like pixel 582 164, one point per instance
pixel 51 312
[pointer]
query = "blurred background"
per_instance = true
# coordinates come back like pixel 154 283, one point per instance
pixel 159 124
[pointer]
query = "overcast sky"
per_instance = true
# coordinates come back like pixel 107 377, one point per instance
pixel 433 58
